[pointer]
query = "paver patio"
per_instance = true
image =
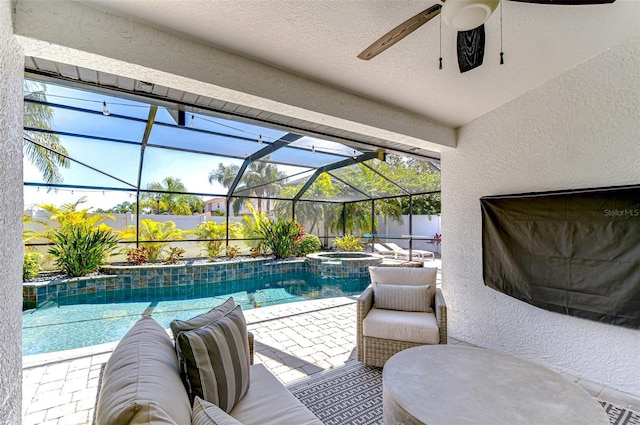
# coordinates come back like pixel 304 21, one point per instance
pixel 292 340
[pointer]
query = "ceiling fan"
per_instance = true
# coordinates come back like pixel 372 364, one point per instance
pixel 465 16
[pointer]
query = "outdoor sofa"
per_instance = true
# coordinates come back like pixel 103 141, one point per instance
pixel 142 383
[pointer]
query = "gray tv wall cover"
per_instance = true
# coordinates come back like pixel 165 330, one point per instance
pixel 575 252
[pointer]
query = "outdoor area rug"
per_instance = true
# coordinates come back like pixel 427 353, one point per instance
pixel 347 395
pixel 352 395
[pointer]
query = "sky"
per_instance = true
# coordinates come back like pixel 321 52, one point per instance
pixel 121 160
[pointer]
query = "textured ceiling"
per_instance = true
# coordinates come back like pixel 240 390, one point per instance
pixel 320 40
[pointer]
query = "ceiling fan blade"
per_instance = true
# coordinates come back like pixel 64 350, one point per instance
pixel 567 2
pixel 400 32
pixel 470 48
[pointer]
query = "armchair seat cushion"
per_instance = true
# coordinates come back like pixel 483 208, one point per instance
pixel 417 327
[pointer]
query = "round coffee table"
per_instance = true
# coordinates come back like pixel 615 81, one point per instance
pixel 454 385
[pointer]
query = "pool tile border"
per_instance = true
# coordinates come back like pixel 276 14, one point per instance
pixel 117 278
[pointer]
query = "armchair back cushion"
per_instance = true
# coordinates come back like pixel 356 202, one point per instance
pixel 406 276
pixel 402 297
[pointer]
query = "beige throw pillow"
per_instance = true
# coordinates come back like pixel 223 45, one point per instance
pixel 402 297
pixel 216 360
pixel 405 276
pixel 205 413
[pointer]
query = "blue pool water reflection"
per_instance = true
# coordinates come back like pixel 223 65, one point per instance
pixel 91 319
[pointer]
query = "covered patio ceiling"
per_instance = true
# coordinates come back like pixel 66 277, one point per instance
pixel 320 40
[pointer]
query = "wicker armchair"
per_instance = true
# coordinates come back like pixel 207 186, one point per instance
pixel 375 351
pixel 251 339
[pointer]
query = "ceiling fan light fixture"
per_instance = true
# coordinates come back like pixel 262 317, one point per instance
pixel 465 15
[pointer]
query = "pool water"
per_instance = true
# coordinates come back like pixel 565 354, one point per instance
pixel 91 319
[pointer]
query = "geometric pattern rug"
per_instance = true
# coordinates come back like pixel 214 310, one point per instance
pixel 352 395
pixel 347 395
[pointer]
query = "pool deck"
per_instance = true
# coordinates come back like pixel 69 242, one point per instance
pixel 293 341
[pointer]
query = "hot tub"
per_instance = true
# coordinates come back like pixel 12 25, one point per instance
pixel 343 264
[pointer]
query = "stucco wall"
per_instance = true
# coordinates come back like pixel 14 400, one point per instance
pixel 11 204
pixel 581 129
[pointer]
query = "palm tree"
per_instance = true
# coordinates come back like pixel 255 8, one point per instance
pixel 225 175
pixel 42 149
pixel 358 219
pixel 312 214
pixel 171 203
pixel 253 181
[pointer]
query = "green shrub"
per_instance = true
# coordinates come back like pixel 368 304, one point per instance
pixel 310 243
pixel 211 230
pixel 138 256
pixel 31 265
pixel 251 230
pixel 175 253
pixel 69 217
pixel 280 237
pixel 348 243
pixel 81 250
pixel 233 251
pixel 216 232
pixel 150 231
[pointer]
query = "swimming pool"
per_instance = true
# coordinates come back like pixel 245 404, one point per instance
pixel 90 319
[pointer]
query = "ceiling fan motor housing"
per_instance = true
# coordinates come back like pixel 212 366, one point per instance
pixel 465 15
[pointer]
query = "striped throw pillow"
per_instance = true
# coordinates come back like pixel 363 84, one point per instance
pixel 215 313
pixel 402 297
pixel 205 413
pixel 215 360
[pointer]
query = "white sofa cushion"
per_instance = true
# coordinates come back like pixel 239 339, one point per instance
pixel 216 360
pixel 402 297
pixel 141 382
pixel 205 413
pixel 421 328
pixel 268 402
pixel 405 276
